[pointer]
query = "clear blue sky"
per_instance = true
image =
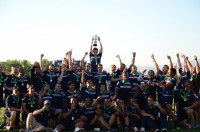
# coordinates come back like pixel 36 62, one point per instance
pixel 52 27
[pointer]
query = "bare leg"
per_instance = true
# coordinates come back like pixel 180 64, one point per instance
pixel 29 121
pixel 126 121
pixel 189 115
pixel 103 123
pixel 170 113
pixel 112 120
pixel 94 121
pixel 58 114
pixel 12 118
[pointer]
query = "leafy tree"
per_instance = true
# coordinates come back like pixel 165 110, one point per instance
pixel 21 63
pixel 46 63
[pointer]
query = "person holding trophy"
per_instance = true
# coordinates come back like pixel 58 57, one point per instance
pixel 95 54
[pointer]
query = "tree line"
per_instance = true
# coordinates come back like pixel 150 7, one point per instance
pixel 27 65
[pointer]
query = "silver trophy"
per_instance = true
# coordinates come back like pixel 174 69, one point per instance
pixel 95 38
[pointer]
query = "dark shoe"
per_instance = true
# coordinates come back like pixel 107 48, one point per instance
pixel 2 125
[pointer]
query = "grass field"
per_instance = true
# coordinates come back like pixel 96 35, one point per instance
pixel 181 130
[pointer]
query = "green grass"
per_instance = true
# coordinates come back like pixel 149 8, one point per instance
pixel 181 130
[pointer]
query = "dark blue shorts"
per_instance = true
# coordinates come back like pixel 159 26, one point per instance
pixel 167 99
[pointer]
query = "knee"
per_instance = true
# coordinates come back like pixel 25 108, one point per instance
pixel 189 112
pixel 30 114
pixel 13 114
pixel 100 118
pixel 113 116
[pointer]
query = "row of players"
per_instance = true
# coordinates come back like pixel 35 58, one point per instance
pixel 128 85
pixel 97 105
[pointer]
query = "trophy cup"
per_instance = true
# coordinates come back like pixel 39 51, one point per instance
pixel 95 38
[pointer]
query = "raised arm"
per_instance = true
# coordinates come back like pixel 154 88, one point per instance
pixel 65 61
pixel 189 65
pixel 68 113
pixel 83 78
pixel 120 61
pixel 155 64
pixel 70 59
pixel 91 45
pixel 185 62
pixel 61 75
pixel 82 61
pixel 101 47
pixel 178 61
pixel 95 105
pixel 37 112
pixel 42 63
pixel 196 64
pixel 133 60
pixel 116 94
pixel 170 62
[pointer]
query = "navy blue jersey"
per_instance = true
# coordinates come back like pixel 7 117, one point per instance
pixel 151 109
pixel 47 96
pixel 132 109
pixel 88 112
pixel 196 83
pixel 115 75
pixel 65 80
pixel 187 98
pixel 31 102
pixel 51 78
pixel 94 61
pixel 70 94
pixel 57 99
pixel 10 81
pixel 160 78
pixel 182 78
pixel 104 95
pixel 22 83
pixel 169 91
pixel 76 79
pixel 151 87
pixel 37 80
pixel 2 80
pixel 88 93
pixel 133 77
pixel 107 112
pixel 44 117
pixel 76 113
pixel 100 78
pixel 13 101
pixel 124 88
pixel 88 76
